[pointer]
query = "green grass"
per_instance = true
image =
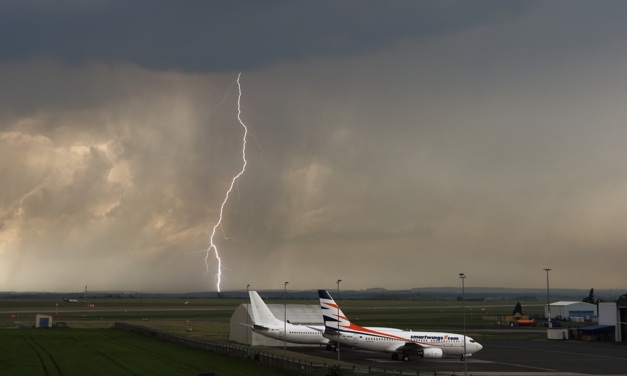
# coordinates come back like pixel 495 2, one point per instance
pixel 68 352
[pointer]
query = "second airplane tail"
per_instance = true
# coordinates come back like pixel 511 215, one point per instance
pixel 334 319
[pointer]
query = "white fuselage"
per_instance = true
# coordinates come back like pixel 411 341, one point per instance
pixel 296 334
pixel 391 341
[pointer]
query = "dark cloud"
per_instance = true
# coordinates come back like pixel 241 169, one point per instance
pixel 415 151
pixel 209 36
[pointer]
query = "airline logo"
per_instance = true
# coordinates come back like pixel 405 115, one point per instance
pixel 435 338
pixel 332 314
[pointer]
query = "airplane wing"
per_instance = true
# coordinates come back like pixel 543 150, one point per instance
pixel 260 327
pixel 316 329
pixel 321 330
pixel 255 327
pixel 408 347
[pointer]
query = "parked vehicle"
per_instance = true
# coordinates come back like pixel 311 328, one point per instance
pixel 526 323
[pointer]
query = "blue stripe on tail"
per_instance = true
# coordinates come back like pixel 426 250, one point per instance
pixel 323 294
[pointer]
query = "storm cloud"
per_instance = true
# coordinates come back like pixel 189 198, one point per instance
pixel 391 144
pixel 209 36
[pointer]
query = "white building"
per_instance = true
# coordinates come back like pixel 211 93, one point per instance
pixel 43 321
pixel 615 314
pixel 570 310
pixel 610 315
pixel 297 314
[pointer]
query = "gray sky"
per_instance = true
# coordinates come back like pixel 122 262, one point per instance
pixel 391 144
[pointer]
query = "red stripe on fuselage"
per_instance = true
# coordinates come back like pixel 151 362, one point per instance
pixel 352 326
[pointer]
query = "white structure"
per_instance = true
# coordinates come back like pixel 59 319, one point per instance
pixel 43 321
pixel 297 314
pixel 609 315
pixel 570 310
pixel 557 333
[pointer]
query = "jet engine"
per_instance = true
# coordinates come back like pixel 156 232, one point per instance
pixel 432 353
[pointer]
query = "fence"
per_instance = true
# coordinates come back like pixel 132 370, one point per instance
pixel 283 362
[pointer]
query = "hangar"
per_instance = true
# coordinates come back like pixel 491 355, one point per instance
pixel 297 314
pixel 571 310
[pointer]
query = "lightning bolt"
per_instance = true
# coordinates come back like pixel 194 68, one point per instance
pixel 213 246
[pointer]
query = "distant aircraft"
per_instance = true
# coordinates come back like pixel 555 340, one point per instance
pixel 70 300
pixel 430 345
pixel 266 324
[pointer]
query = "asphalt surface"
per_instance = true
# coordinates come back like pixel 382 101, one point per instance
pixel 540 357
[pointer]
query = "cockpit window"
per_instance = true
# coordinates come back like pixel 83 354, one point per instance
pixel 472 341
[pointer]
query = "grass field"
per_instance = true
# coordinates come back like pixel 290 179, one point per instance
pixel 69 352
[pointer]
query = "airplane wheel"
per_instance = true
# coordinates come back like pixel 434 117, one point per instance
pixel 405 358
pixel 462 358
pixel 394 356
pixel 329 348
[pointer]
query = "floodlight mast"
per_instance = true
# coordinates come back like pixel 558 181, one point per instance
pixel 548 302
pixel 247 315
pixel 339 336
pixel 463 277
pixel 285 318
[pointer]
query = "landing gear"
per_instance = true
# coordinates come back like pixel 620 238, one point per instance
pixel 462 358
pixel 329 348
pixel 403 357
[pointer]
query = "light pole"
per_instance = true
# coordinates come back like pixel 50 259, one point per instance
pixel 548 303
pixel 247 315
pixel 338 321
pixel 285 318
pixel 463 277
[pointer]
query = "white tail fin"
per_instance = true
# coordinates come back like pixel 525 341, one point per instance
pixel 334 318
pixel 261 313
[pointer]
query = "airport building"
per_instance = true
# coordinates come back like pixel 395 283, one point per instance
pixel 571 310
pixel 297 314
pixel 621 305
pixel 43 321
pixel 614 315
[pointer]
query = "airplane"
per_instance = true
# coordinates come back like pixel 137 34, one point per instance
pixel 266 324
pixel 70 300
pixel 429 345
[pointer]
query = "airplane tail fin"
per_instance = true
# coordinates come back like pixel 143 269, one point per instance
pixel 334 318
pixel 262 316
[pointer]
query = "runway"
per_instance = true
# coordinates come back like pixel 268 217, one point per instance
pixel 539 357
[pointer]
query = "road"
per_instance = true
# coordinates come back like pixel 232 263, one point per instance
pixel 541 357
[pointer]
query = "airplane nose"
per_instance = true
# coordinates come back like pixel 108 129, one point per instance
pixel 479 347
